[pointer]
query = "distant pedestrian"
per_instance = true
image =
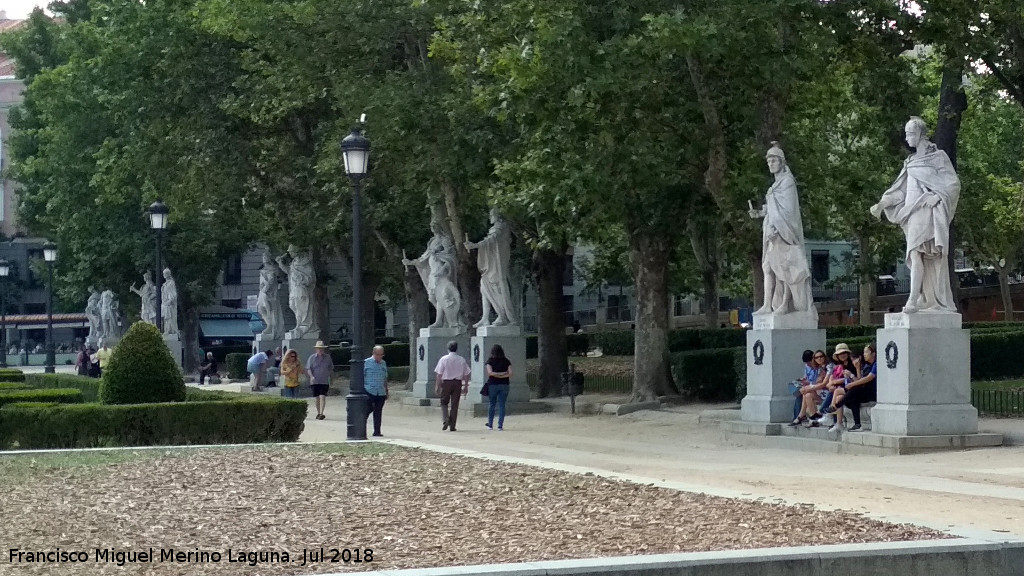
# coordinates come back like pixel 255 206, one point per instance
pixel 103 357
pixel 319 368
pixel 83 362
pixel 257 366
pixel 207 369
pixel 375 381
pixel 499 372
pixel 452 370
pixel 291 369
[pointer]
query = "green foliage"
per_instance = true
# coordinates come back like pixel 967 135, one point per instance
pixel 236 364
pixel 613 342
pixel 706 375
pixel 532 346
pixel 142 370
pixel 220 353
pixel 247 420
pixel 89 387
pixel 394 354
pixel 993 355
pixel 398 373
pixel 13 386
pixel 578 344
pixel 60 396
pixel 11 375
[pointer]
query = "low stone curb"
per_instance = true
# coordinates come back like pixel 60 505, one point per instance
pixel 623 409
pixel 933 557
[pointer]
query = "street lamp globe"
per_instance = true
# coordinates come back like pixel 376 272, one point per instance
pixel 158 212
pixel 356 150
pixel 50 252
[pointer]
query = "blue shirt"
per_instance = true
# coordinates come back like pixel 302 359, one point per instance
pixel 375 377
pixel 811 374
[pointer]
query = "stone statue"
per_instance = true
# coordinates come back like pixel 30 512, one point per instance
pixel 787 276
pixel 301 280
pixel 493 255
pixel 109 312
pixel 267 303
pixel 438 267
pixel 93 311
pixel 169 303
pixel 923 202
pixel 148 296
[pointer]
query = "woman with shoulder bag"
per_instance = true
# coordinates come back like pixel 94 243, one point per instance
pixel 291 369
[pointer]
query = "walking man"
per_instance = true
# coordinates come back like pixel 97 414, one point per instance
pixel 319 368
pixel 452 371
pixel 375 381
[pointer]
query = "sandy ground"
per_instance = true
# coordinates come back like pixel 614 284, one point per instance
pixel 978 492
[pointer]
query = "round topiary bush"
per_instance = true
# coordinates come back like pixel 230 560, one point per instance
pixel 142 370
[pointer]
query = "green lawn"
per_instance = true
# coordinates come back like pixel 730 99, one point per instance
pixel 998 385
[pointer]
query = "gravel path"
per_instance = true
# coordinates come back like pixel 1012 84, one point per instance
pixel 412 508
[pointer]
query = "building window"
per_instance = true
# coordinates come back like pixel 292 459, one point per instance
pixel 820 264
pixel 35 308
pixel 618 308
pixel 568 304
pixel 233 271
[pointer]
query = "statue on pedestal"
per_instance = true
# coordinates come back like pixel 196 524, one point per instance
pixel 301 281
pixel 93 312
pixel 493 255
pixel 109 312
pixel 438 267
pixel 267 303
pixel 169 303
pixel 787 276
pixel 148 296
pixel 923 202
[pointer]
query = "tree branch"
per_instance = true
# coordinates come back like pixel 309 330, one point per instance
pixel 1012 88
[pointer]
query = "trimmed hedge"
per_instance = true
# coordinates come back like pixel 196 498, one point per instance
pixel 13 386
pixel 398 373
pixel 142 370
pixel 532 347
pixel 59 396
pixel 11 375
pixel 235 363
pixel 578 344
pixel 993 355
pixel 708 375
pixel 89 387
pixel 247 420
pixel 394 354
pixel 220 353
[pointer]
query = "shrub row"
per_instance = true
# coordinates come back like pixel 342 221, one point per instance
pixel 13 386
pixel 220 353
pixel 89 387
pixel 59 396
pixel 11 375
pixel 235 364
pixel 994 355
pixel 395 355
pixel 708 375
pixel 247 420
pixel 398 373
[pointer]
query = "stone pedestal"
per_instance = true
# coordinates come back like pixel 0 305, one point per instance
pixel 430 347
pixel 924 376
pixel 262 344
pixel 513 342
pixel 173 342
pixel 774 349
pixel 303 346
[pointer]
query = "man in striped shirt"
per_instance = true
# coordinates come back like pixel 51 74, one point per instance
pixel 452 370
pixel 375 381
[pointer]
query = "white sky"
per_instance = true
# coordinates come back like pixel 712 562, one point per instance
pixel 17 9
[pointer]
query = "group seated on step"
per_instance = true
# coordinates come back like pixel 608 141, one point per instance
pixel 849 381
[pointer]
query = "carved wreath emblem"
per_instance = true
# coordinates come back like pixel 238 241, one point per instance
pixel 758 353
pixel 476 353
pixel 421 351
pixel 892 355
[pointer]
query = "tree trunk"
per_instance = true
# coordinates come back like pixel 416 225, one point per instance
pixel 370 284
pixel 952 105
pixel 754 257
pixel 866 289
pixel 469 275
pixel 419 314
pixel 704 241
pixel 190 332
pixel 1004 291
pixel 649 255
pixel 321 299
pixel 552 349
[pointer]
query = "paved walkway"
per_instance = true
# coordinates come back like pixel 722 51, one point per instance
pixel 974 492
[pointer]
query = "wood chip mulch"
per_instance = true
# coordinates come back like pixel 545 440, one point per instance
pixel 412 508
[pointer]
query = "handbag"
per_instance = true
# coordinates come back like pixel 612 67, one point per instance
pixel 483 391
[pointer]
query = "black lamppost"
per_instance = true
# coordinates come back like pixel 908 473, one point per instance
pixel 5 269
pixel 50 256
pixel 355 149
pixel 158 221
